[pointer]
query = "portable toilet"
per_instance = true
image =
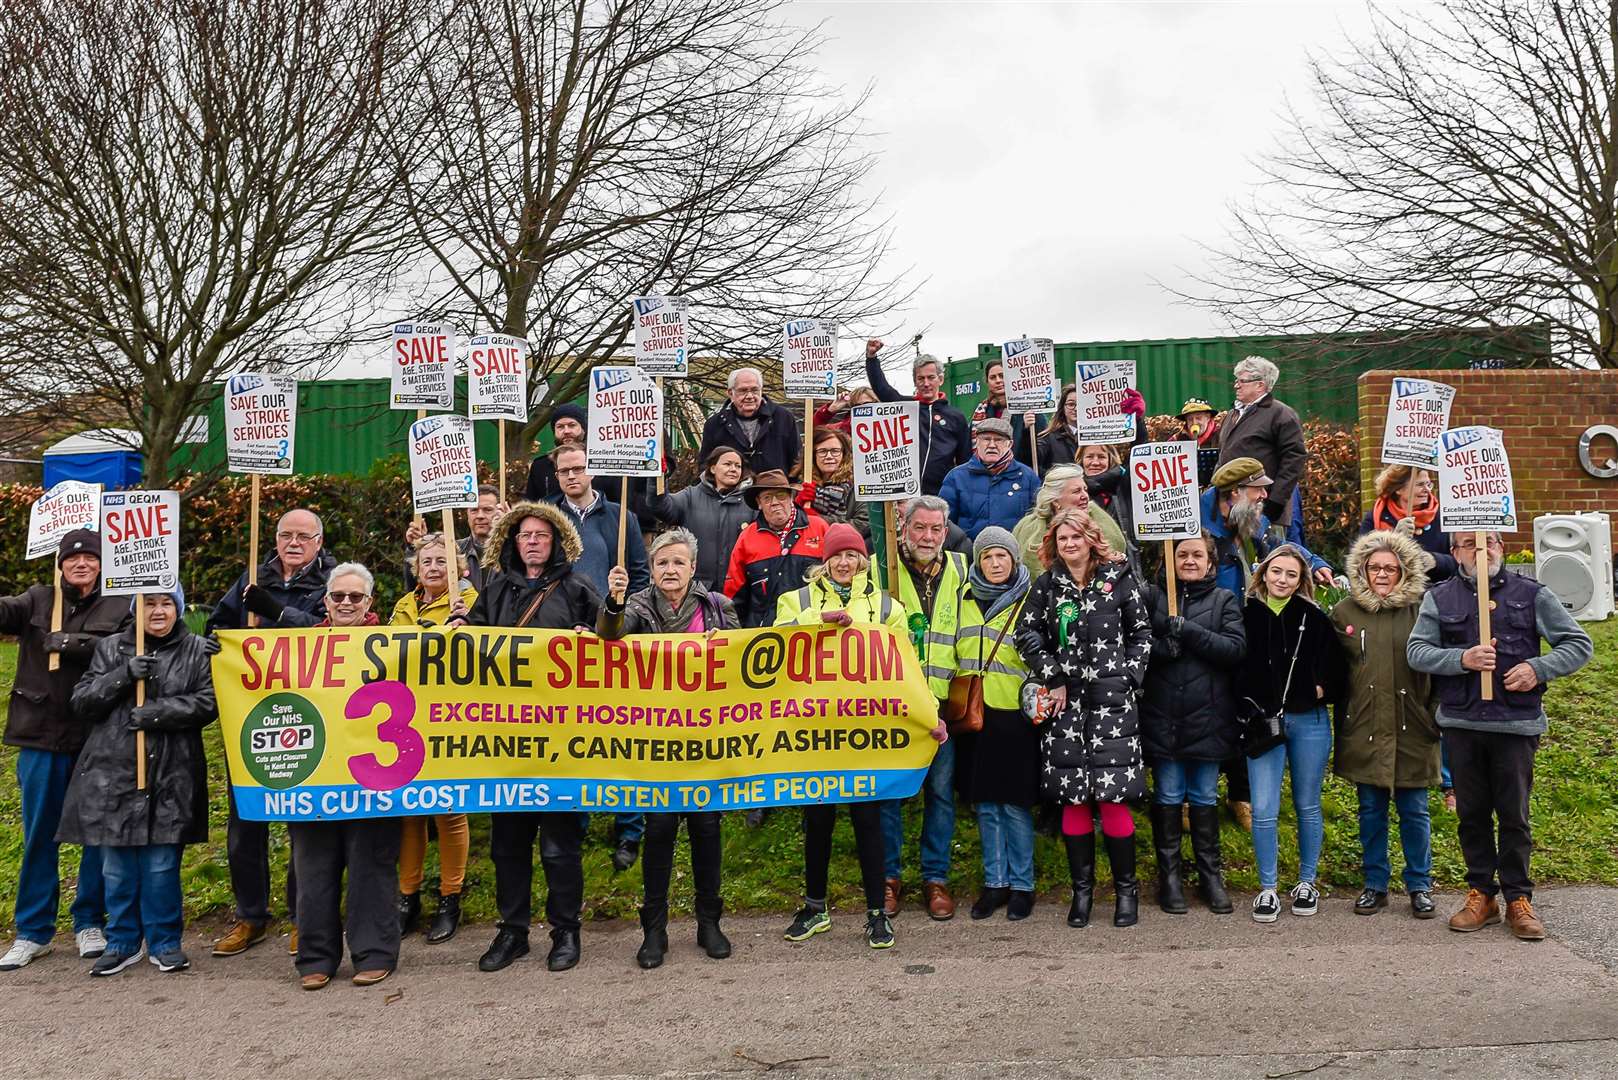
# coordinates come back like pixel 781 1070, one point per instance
pixel 107 456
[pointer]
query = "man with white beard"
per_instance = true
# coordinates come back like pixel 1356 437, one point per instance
pixel 1233 513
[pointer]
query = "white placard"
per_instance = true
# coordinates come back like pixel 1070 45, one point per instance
pixel 660 335
pixel 140 546
pixel 887 450
pixel 496 378
pixel 423 366
pixel 67 506
pixel 1029 367
pixel 1474 482
pixel 261 423
pixel 443 463
pixel 809 358
pixel 1101 389
pixel 1163 491
pixel 625 436
pixel 1418 412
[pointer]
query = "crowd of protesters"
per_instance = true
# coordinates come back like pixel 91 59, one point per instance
pixel 1018 567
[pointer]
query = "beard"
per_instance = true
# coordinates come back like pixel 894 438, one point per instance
pixel 1468 565
pixel 918 557
pixel 1244 518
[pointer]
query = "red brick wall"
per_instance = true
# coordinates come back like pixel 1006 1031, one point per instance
pixel 1541 412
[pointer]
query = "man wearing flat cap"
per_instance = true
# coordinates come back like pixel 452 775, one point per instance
pixel 1233 513
pixel 993 487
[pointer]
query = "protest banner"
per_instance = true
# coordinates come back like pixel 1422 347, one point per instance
pixel 423 366
pixel 660 335
pixel 66 506
pixel 140 553
pixel 375 722
pixel 887 464
pixel 1100 388
pixel 261 418
pixel 497 376
pixel 625 433
pixel 808 371
pixel 1475 493
pixel 1163 494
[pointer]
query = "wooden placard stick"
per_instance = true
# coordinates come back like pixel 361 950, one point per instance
pixel 1168 576
pixel 252 543
pixel 1484 632
pixel 55 661
pixel 140 691
pixel 892 540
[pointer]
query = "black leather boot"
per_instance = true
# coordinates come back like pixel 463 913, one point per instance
pixel 446 920
pixel 1081 868
pixel 1210 869
pixel 1166 840
pixel 409 912
pixel 1126 888
pixel 710 938
pixel 654 925
pixel 564 950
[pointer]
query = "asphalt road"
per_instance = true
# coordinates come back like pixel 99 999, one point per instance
pixel 1195 996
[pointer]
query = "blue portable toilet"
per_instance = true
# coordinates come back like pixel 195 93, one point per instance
pixel 107 456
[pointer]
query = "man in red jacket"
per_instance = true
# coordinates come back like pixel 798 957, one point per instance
pixel 775 551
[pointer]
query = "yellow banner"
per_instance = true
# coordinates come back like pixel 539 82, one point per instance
pixel 347 722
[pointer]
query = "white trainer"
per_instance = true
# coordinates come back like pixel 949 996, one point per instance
pixel 91 942
pixel 22 953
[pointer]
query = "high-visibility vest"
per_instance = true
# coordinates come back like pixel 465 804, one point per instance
pixel 937 645
pixel 974 641
pixel 866 604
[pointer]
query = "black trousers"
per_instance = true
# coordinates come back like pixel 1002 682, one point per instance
pixel 247 851
pixel 1493 775
pixel 1237 788
pixel 511 846
pixel 818 821
pixel 657 861
pixel 368 849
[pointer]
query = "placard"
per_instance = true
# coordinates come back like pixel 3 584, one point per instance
pixel 1418 412
pixel 809 358
pixel 140 545
pixel 1163 491
pixel 1474 482
pixel 660 335
pixel 625 436
pixel 887 450
pixel 1101 389
pixel 1029 367
pixel 261 423
pixel 496 378
pixel 423 366
pixel 69 505
pixel 443 463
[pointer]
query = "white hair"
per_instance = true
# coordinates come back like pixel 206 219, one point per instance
pixel 1050 489
pixel 922 502
pixel 922 360
pixel 1256 367
pixel 730 380
pixel 671 537
pixel 352 569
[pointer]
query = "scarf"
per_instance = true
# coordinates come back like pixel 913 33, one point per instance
pixel 1387 508
pixel 994 599
pixel 843 591
pixel 997 467
pixel 671 619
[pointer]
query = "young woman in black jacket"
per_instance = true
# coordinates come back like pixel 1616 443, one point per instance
pixel 1188 719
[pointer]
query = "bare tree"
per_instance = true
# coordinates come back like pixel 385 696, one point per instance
pixel 577 153
pixel 188 188
pixel 1462 173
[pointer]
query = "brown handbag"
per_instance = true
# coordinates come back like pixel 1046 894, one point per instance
pixel 963 712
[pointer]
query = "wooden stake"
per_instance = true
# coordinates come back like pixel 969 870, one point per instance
pixel 659 380
pixel 1410 493
pixel 451 555
pixel 502 460
pixel 1033 446
pixel 55 661
pixel 140 691
pixel 1168 576
pixel 809 440
pixel 252 543
pixel 421 414
pixel 623 518
pixel 892 580
pixel 1484 633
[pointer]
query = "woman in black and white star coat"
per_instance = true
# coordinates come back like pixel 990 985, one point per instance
pixel 1086 635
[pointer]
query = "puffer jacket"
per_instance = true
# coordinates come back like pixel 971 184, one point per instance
pixel 1271 640
pixel 41 715
pixel 765 564
pixel 1096 642
pixel 866 604
pixel 103 806
pixel 639 614
pixel 1387 735
pixel 569 598
pixel 715 518
pixel 1431 539
pixel 1188 712
pixel 303 597
pixel 979 498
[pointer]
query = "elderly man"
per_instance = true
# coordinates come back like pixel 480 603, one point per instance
pixel 993 407
pixel 944 439
pixel 1261 427
pixel 932 587
pixel 291 591
pixel 48 737
pixel 774 552
pixel 1492 743
pixel 1233 513
pixel 993 488
pixel 764 433
pixel 479 523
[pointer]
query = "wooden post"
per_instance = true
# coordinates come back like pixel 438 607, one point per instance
pixel 252 544
pixel 1168 576
pixel 1033 446
pixel 1484 633
pixel 659 380
pixel 623 518
pixel 140 691
pixel 1410 493
pixel 451 555
pixel 55 661
pixel 809 440
pixel 421 414
pixel 502 438
pixel 892 539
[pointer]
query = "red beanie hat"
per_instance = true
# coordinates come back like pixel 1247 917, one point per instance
pixel 844 537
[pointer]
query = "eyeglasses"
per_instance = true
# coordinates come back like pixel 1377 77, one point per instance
pixel 347 597
pixel 748 391
pixel 1247 379
pixel 576 470
pixel 302 538
pixel 1382 571
pixel 833 451
pixel 532 537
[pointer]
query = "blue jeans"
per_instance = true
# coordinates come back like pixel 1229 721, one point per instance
pixel 624 826
pixel 1445 780
pixel 42 777
pixel 1175 781
pixel 937 821
pixel 1415 837
pixel 1007 834
pixel 1306 751
pixel 143 897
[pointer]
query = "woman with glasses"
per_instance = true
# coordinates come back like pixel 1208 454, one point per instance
pixel 1395 494
pixel 830 491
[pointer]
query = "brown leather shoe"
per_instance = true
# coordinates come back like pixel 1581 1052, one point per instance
pixel 1524 924
pixel 371 978
pixel 292 941
pixel 891 888
pixel 940 904
pixel 1243 813
pixel 315 981
pixel 239 938
pixel 1480 911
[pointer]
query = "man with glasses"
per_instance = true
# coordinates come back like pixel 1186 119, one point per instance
pixel 290 591
pixel 944 438
pixel 765 434
pixel 1261 427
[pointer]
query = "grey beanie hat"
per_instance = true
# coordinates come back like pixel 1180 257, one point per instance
pixel 993 537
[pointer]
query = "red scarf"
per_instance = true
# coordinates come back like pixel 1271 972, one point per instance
pixel 1386 509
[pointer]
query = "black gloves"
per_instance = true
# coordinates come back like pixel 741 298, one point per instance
pixel 58 642
pixel 1176 624
pixel 1168 648
pixel 262 604
pixel 143 718
pixel 142 667
pixel 210 645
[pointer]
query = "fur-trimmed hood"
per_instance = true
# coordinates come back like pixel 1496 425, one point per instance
pixel 500 553
pixel 1412 560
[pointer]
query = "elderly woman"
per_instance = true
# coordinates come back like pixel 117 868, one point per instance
pixel 1086 636
pixel 142 832
pixel 676 603
pixel 713 509
pixel 841 591
pixel 1387 737
pixel 432 603
pixel 1063 488
pixel 1393 486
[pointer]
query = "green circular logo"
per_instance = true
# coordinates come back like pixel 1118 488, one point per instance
pixel 283 740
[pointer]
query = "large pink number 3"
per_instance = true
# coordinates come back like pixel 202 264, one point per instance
pixel 412 751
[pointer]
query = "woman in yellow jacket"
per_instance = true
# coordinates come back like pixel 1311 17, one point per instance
pixel 431 603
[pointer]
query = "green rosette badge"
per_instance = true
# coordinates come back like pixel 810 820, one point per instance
pixel 1066 612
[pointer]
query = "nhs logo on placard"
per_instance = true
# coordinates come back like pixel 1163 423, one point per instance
pixel 241 384
pixel 1091 371
pixel 423 428
pixel 799 327
pixel 1410 387
pixel 607 378
pixel 645 305
pixel 1461 437
pixel 1017 348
